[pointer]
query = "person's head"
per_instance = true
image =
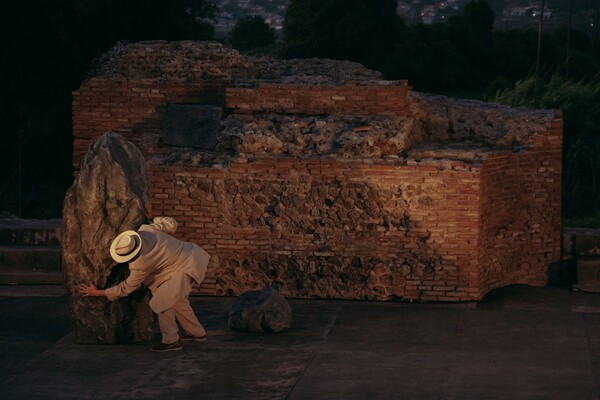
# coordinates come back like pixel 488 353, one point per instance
pixel 126 246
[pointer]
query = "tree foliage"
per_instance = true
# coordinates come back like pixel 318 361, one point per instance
pixel 354 30
pixel 426 57
pixel 580 103
pixel 480 18
pixel 446 57
pixel 48 47
pixel 252 33
pixel 466 55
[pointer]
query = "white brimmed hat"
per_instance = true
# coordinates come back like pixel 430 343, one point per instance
pixel 125 246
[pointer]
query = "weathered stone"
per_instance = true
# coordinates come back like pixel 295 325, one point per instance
pixel 183 61
pixel 107 197
pixel 471 124
pixel 191 60
pixel 260 311
pixel 191 125
pixel 435 127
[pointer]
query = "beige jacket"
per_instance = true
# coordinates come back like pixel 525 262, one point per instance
pixel 162 258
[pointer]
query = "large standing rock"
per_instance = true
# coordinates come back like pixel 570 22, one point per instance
pixel 260 311
pixel 107 197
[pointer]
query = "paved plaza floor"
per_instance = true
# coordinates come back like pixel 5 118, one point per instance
pixel 520 343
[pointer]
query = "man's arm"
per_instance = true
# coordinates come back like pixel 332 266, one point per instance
pixel 132 283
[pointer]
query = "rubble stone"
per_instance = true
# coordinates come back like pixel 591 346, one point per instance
pixel 189 60
pixel 260 311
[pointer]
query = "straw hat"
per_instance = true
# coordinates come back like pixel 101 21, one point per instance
pixel 125 246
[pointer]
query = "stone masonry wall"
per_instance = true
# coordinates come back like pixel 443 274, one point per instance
pixel 136 109
pixel 133 108
pixel 329 187
pixel 520 213
pixel 330 228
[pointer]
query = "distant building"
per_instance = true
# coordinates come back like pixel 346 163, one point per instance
pixel 536 13
pixel 515 11
pixel 428 13
pixel 275 21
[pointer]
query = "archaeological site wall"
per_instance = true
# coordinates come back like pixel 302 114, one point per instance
pixel 324 180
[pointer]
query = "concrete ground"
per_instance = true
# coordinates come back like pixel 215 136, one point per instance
pixel 521 343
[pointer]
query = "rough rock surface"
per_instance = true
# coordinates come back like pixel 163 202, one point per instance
pixel 260 311
pixel 192 60
pixel 343 136
pixel 158 60
pixel 473 124
pixel 436 127
pixel 312 71
pixel 106 198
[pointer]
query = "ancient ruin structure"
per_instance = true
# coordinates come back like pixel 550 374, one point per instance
pixel 319 178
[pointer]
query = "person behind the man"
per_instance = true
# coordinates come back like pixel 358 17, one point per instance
pixel 167 266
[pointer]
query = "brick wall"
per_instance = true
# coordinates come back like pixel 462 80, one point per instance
pixel 134 109
pixel 428 229
pixel 330 228
pixel 351 99
pixel 520 212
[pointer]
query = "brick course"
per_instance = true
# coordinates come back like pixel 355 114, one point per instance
pixel 352 99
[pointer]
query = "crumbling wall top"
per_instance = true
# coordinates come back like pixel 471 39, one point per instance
pixel 433 126
pixel 473 123
pixel 185 61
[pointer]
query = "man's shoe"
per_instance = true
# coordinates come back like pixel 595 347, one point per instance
pixel 162 347
pixel 184 337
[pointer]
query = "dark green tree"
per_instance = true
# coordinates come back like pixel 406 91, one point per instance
pixel 106 22
pixel 580 103
pixel 48 47
pixel 354 30
pixel 426 57
pixel 480 17
pixel 232 7
pixel 514 54
pixel 252 33
pixel 575 54
pixel 457 55
pixel 471 35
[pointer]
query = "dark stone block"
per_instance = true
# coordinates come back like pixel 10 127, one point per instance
pixel 191 125
pixel 260 311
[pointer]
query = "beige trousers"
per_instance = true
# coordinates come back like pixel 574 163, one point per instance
pixel 181 312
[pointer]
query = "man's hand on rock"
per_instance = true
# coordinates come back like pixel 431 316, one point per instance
pixel 91 290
